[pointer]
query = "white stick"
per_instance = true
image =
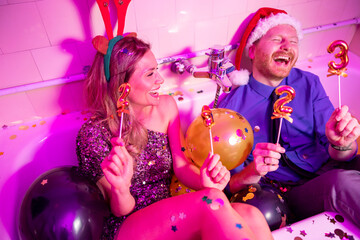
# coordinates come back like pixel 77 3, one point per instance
pixel 121 121
pixel 339 91
pixel 278 136
pixel 211 143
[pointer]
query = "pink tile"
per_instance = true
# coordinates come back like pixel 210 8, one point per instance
pixel 3 2
pixel 155 13
pixel 21 28
pixel 15 108
pixel 210 33
pixel 18 69
pixel 58 61
pixel 65 20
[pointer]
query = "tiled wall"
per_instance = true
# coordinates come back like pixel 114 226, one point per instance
pixel 41 40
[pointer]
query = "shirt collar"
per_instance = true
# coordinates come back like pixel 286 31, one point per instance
pixel 262 89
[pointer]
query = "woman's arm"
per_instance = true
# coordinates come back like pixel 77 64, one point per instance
pixel 118 171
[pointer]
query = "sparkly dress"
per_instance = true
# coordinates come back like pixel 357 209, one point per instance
pixel 152 173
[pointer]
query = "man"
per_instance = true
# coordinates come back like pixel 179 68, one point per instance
pixel 309 162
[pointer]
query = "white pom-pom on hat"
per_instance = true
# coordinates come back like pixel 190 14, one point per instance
pixel 239 77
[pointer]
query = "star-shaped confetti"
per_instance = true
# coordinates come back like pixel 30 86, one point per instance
pixel 330 235
pixel 216 139
pixel 174 228
pixel 303 233
pixel 182 216
pixel 43 182
pixel 182 149
pixel 333 221
pixel 289 229
pixel 173 218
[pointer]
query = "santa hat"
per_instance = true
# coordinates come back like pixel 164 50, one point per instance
pixel 262 21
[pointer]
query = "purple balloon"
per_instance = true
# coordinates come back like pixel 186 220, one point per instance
pixel 61 204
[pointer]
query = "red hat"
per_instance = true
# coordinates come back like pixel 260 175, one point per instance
pixel 263 20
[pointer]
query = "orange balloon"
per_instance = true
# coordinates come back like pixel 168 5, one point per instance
pixel 177 188
pixel 232 134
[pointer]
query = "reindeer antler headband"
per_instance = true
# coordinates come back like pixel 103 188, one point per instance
pixel 104 45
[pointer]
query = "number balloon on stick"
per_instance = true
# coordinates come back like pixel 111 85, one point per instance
pixel 338 68
pixel 281 111
pixel 124 91
pixel 208 120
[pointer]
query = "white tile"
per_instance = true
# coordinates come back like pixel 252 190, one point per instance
pixel 155 13
pixel 21 28
pixel 351 9
pixel 65 20
pixel 18 69
pixel 59 99
pixel 229 7
pixel 15 107
pixel 176 40
pixel 210 33
pixel 305 13
pixel 194 10
pixel 58 61
pixel 86 53
pixel 3 2
pixel 19 1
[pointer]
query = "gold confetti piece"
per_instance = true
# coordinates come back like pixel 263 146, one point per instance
pixel 256 128
pixel 12 137
pixel 42 122
pixel 1 153
pixel 34 125
pixel 23 127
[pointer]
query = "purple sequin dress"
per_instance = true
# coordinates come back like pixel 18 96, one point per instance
pixel 152 174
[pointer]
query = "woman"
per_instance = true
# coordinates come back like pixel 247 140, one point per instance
pixel 134 171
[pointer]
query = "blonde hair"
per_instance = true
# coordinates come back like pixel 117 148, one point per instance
pixel 101 96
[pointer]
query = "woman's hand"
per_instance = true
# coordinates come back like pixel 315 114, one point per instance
pixel 213 174
pixel 118 166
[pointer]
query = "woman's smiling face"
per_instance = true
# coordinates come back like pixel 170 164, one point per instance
pixel 145 82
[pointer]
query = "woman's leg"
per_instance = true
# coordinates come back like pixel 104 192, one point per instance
pixel 254 219
pixel 205 214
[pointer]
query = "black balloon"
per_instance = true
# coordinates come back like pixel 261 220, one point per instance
pixel 61 204
pixel 268 201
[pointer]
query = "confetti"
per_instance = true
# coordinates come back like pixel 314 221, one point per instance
pixel 303 233
pixel 1 153
pixel 216 139
pixel 289 229
pixel 201 91
pixel 174 228
pixel 182 149
pixel 173 218
pixel 182 216
pixel 238 225
pixel 339 218
pixel 217 204
pixel 12 137
pixel 180 98
pixel 330 235
pixel 4 127
pixel 23 127
pixel 256 128
pixel 43 182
